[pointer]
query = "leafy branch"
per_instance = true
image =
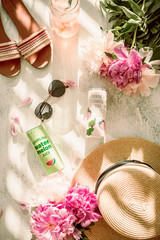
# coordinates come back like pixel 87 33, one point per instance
pixel 91 125
pixel 136 22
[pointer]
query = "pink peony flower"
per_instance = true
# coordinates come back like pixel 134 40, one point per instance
pixel 126 69
pixel 53 221
pixel 66 219
pixel 148 80
pixel 94 51
pixel 83 205
pixel 52 188
pixel 103 70
pixel 110 44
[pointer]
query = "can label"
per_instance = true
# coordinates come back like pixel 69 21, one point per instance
pixel 96 113
pixel 45 149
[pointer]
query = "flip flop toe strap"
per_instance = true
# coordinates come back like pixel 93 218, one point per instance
pixel 8 51
pixel 34 43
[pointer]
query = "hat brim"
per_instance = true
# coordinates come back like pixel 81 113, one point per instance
pixel 104 156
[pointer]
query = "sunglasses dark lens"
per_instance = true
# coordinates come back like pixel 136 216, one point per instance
pixel 43 111
pixel 56 88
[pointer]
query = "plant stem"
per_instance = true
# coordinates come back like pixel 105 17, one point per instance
pixel 156 40
pixel 134 38
pixel 143 5
pixel 151 20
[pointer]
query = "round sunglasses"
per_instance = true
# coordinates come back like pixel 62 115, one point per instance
pixel 44 110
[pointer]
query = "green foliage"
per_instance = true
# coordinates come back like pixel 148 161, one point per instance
pixel 70 2
pixel 91 125
pixel 89 131
pixel 111 55
pixel 136 22
pixel 82 229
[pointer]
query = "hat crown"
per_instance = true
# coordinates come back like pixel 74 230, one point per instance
pixel 103 157
pixel 129 201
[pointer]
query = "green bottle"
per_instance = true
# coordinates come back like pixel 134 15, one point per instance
pixel 45 149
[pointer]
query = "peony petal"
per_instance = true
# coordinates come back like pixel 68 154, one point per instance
pixel 77 234
pixel 13 129
pixel 143 52
pixel 110 44
pixel 50 188
pixel 70 83
pixel 121 53
pixel 135 58
pixel 150 77
pixel 16 119
pixel 149 55
pixel 145 90
pixel 109 37
pixel 155 62
pixel 27 101
pixel 154 81
pixel 24 206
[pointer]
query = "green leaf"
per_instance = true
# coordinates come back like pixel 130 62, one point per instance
pixel 156 53
pixel 148 4
pixel 92 224
pixel 129 27
pixel 131 15
pixel 117 28
pixel 136 22
pixel 111 55
pixel 111 3
pixel 102 5
pixel 151 41
pixel 92 123
pixel 142 35
pixel 136 8
pixel 119 22
pixel 140 45
pixel 70 2
pixel 153 19
pixel 89 131
pixel 154 7
pixel 154 30
pixel 124 3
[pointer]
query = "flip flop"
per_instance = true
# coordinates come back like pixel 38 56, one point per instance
pixel 34 42
pixel 9 55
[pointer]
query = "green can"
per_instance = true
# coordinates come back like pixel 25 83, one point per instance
pixel 45 149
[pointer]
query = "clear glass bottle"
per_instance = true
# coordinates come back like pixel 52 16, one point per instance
pixel 64 17
pixel 96 113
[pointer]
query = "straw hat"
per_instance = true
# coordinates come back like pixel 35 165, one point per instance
pixel 128 193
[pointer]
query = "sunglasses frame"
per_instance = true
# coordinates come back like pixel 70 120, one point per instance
pixel 39 112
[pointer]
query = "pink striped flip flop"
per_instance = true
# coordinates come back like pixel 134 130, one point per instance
pixel 9 55
pixel 35 41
